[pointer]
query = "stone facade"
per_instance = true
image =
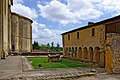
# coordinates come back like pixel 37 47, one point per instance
pixel 91 44
pixel 5 22
pixel 21 29
pixel 113 53
pixel 15 30
pixel 87 47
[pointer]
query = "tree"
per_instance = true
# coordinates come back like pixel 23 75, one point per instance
pixel 58 47
pixel 52 46
pixel 43 47
pixel 48 45
pixel 35 45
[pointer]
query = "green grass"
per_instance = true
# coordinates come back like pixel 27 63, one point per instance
pixel 64 63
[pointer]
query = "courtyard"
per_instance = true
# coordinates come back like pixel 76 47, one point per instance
pixel 19 68
pixel 62 63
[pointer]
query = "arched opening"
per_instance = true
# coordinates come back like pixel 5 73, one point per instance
pixel 72 52
pixel 69 52
pixel 80 52
pixel 97 56
pixel 85 53
pixel 91 54
pixel 75 52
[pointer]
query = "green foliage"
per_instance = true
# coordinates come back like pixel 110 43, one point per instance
pixel 48 47
pixel 35 45
pixel 58 47
pixel 45 64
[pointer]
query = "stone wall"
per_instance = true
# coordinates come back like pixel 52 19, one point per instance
pixel 86 48
pixel 4 27
pixel 21 33
pixel 15 33
pixel 1 25
pixel 113 53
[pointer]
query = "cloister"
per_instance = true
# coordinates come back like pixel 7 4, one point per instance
pixel 86 54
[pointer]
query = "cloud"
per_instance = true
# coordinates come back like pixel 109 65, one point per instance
pixel 24 10
pixel 17 1
pixel 57 11
pixel 44 35
pixel 72 12
pixel 85 9
pixel 107 6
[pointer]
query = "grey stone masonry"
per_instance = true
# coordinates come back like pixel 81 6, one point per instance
pixel 113 43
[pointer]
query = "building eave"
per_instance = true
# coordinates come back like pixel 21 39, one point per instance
pixel 95 24
pixel 22 16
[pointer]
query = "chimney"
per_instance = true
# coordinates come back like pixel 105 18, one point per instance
pixel 90 23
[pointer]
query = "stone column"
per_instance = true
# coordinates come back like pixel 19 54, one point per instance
pixel 94 56
pixel 88 55
pixel 78 53
pixel 63 51
pixel 82 54
pixel 1 25
pixel 31 37
pixel 102 58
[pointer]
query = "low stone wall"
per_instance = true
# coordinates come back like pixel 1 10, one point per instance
pixel 113 53
pixel 35 53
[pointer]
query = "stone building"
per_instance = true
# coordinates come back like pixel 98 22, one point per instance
pixel 97 43
pixel 5 25
pixel 15 31
pixel 21 36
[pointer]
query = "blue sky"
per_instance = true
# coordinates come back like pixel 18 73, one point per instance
pixel 53 17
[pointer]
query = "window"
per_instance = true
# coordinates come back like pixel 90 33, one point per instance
pixel 93 31
pixel 78 35
pixel 68 37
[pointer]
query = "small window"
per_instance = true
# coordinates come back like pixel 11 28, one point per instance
pixel 68 37
pixel 78 35
pixel 93 31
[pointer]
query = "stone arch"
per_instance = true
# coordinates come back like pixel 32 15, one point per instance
pixel 80 52
pixel 85 53
pixel 66 51
pixel 91 53
pixel 72 52
pixel 69 51
pixel 97 54
pixel 75 52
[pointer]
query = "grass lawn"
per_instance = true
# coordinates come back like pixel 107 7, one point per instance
pixel 64 63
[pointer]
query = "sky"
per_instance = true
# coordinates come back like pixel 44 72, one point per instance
pixel 51 18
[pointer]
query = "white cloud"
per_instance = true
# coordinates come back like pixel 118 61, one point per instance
pixel 57 11
pixel 84 8
pixel 44 35
pixel 24 10
pixel 76 10
pixel 73 12
pixel 108 6
pixel 17 1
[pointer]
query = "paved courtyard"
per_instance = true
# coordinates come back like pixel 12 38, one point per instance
pixel 18 68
